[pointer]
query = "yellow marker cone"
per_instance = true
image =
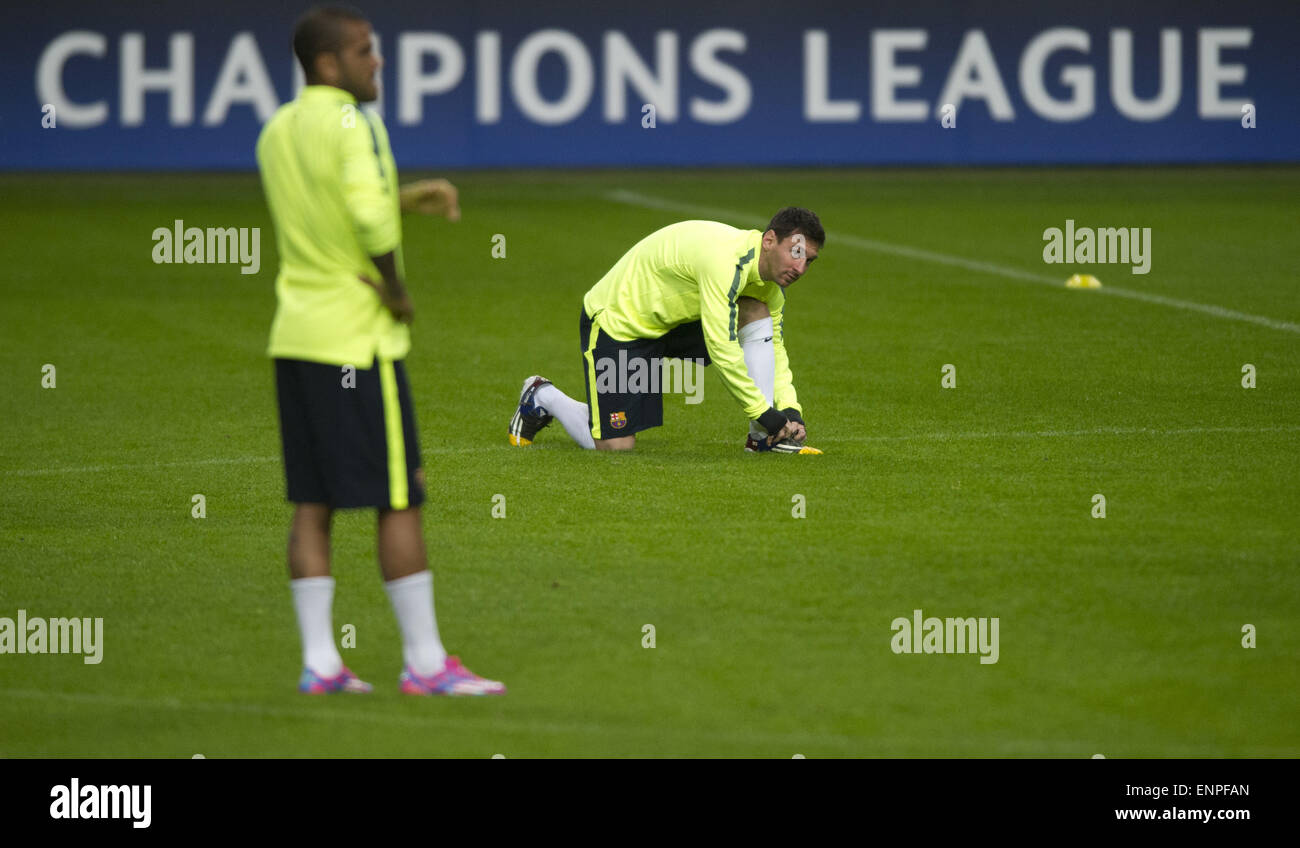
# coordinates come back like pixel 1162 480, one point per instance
pixel 1083 281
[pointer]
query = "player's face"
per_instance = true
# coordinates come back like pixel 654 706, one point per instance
pixel 358 62
pixel 787 259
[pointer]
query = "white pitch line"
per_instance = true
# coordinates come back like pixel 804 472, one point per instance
pixel 901 437
pixel 632 198
pixel 305 713
pixel 1052 434
pixel 138 466
pixel 876 745
pixel 182 463
pixel 317 712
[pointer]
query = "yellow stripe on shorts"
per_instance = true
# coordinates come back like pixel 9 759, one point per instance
pixel 589 355
pixel 398 496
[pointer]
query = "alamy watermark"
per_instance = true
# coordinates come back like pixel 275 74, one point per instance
pixel 638 375
pixel 946 636
pixel 220 245
pixel 95 801
pixel 1101 246
pixel 53 636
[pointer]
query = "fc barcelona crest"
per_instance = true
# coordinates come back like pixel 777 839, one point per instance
pixel 618 420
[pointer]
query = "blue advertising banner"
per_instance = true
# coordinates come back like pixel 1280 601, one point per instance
pixel 136 85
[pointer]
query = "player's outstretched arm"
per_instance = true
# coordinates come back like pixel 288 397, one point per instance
pixel 718 319
pixel 786 398
pixel 431 197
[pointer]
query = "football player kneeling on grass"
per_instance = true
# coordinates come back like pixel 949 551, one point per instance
pixel 697 290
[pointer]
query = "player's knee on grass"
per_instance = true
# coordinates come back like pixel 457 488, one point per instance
pixel 749 310
pixel 621 443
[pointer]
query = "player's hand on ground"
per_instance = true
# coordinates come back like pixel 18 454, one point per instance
pixel 787 432
pixel 395 298
pixel 796 419
pixel 432 197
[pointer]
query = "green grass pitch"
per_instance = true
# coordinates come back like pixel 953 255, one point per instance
pixel 1120 635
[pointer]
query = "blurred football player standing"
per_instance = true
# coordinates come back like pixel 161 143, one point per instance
pixel 338 341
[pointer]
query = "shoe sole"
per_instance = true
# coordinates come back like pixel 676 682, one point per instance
pixel 805 450
pixel 424 694
pixel 358 687
pixel 412 688
pixel 514 434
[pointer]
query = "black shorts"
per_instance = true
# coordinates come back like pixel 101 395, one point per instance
pixel 349 440
pixel 621 406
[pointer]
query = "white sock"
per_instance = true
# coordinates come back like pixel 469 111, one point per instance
pixel 412 598
pixel 572 414
pixel 313 599
pixel 760 361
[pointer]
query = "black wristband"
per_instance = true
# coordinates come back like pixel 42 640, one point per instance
pixel 772 421
pixel 793 414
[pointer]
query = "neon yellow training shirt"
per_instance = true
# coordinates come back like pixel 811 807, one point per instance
pixel 331 184
pixel 695 271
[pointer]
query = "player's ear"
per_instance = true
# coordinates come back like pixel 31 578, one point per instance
pixel 769 239
pixel 327 67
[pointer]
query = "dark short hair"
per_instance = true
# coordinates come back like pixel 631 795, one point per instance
pixel 320 30
pixel 796 219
